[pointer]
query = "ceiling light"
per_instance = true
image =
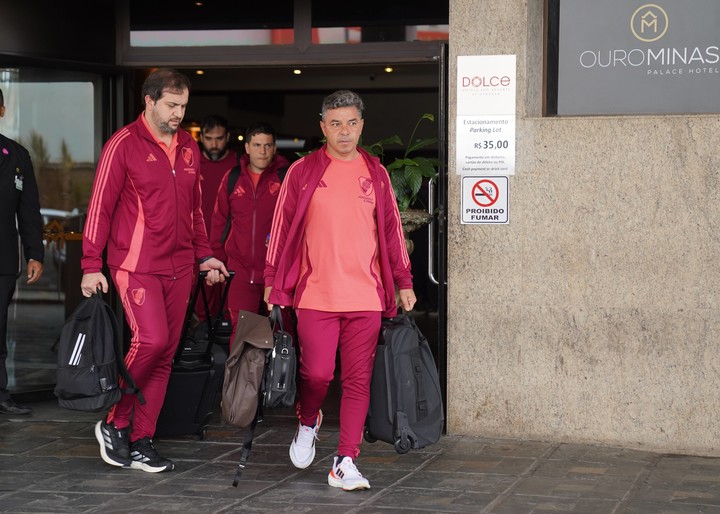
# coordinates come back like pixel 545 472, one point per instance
pixel 199 72
pixel 297 71
pixel 388 69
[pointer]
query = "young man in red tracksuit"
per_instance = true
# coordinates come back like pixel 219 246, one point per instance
pixel 146 207
pixel 250 208
pixel 336 254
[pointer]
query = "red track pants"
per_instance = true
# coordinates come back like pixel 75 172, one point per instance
pixel 320 335
pixel 155 308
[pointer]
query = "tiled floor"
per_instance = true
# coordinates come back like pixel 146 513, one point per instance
pixel 49 463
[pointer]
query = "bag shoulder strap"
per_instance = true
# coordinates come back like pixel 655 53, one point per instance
pixel 131 388
pixel 276 321
pixel 247 443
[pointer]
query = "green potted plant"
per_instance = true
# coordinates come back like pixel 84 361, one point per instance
pixel 407 174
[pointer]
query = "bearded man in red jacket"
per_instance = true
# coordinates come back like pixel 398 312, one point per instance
pixel 146 207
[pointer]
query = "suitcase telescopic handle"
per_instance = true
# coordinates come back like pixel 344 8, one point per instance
pixel 231 273
pixel 226 289
pixel 200 291
pixel 206 305
pixel 203 274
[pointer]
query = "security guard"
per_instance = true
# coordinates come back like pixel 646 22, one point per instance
pixel 19 213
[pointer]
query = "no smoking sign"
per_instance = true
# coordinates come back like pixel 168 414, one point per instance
pixel 484 200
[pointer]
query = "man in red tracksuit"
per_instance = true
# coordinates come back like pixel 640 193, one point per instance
pixel 216 159
pixel 146 207
pixel 336 254
pixel 250 208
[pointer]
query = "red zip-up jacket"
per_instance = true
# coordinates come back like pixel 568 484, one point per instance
pixel 282 267
pixel 148 214
pixel 251 211
pixel 211 174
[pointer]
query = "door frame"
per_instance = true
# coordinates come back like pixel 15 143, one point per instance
pixel 301 53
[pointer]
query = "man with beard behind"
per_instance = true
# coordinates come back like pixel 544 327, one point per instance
pixel 216 160
pixel 145 206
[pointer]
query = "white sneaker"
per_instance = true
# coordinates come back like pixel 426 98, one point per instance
pixel 346 476
pixel 302 448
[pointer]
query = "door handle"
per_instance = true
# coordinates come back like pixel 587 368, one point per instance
pixel 431 233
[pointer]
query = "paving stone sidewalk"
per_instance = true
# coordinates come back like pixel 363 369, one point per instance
pixel 49 463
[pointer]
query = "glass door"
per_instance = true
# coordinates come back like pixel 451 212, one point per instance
pixel 55 114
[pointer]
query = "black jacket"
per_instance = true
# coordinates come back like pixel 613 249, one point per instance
pixel 19 208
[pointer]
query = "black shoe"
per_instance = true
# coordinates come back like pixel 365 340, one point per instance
pixel 10 407
pixel 114 444
pixel 145 456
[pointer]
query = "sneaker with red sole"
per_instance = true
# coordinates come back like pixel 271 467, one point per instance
pixel 345 475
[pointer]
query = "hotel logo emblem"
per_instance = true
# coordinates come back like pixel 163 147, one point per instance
pixel 649 23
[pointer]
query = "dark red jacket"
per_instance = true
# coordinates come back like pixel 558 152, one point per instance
pixel 211 174
pixel 251 213
pixel 282 269
pixel 147 213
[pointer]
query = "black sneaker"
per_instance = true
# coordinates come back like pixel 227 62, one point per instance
pixel 144 456
pixel 114 444
pixel 10 407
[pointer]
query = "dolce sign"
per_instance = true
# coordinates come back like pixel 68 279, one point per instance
pixel 485 121
pixel 483 81
pixel 638 57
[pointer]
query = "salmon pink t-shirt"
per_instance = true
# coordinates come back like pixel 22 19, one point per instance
pixel 340 269
pixel 169 150
pixel 255 177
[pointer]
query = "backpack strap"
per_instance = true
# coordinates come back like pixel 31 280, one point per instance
pixel 232 180
pixel 131 388
pixel 250 435
pixel 247 443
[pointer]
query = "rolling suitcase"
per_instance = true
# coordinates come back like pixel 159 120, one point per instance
pixel 406 407
pixel 197 373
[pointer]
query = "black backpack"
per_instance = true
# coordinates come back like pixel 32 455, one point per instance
pixel 91 359
pixel 406 404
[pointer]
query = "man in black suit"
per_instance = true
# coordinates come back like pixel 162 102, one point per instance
pixel 19 213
